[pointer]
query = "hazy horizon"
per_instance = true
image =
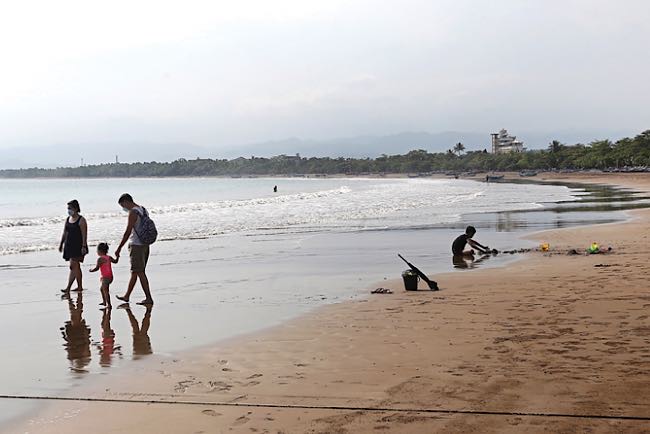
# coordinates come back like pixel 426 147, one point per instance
pixel 226 77
pixel 357 147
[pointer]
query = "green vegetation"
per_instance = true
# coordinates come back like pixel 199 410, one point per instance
pixel 596 155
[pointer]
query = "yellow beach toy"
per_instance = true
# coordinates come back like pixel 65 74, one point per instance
pixel 594 248
pixel 544 247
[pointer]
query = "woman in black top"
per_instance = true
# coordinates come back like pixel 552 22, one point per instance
pixel 73 244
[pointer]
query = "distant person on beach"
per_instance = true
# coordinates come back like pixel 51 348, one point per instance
pixel 275 189
pixel 74 244
pixel 140 234
pixel 104 261
pixel 458 246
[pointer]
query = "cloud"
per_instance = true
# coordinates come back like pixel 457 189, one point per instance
pixel 224 72
pixel 357 90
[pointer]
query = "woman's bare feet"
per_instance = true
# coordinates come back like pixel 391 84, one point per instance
pixel 77 289
pixel 122 298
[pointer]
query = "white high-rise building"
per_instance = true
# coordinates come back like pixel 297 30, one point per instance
pixel 503 143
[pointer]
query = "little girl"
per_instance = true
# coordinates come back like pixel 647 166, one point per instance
pixel 104 262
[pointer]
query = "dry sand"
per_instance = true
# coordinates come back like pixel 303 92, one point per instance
pixel 552 334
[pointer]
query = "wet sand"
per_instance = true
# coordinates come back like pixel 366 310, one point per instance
pixel 552 334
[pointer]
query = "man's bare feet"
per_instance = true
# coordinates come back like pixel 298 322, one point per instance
pixel 122 298
pixel 145 302
pixel 124 306
pixel 103 303
pixel 77 289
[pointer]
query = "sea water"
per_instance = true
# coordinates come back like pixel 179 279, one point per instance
pixel 33 212
pixel 232 257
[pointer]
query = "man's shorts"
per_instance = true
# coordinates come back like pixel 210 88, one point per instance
pixel 139 256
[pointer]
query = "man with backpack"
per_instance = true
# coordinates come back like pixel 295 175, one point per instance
pixel 141 233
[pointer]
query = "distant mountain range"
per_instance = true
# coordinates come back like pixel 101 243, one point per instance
pixel 360 146
pixel 363 146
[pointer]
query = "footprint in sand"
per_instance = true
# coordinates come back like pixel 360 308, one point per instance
pixel 183 385
pixel 219 386
pixel 210 413
pixel 241 420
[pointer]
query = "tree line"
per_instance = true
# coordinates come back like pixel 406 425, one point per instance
pixel 600 154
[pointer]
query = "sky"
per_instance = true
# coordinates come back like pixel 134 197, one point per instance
pixel 228 73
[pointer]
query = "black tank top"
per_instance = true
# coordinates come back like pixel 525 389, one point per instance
pixel 73 239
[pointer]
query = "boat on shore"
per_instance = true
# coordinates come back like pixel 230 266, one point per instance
pixel 528 173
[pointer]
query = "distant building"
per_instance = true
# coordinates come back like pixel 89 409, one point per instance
pixel 287 157
pixel 503 143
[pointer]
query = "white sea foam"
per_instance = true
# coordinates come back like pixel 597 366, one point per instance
pixel 246 206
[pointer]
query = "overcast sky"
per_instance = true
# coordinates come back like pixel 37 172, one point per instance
pixel 217 73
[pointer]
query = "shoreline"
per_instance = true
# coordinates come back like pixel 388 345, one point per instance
pixel 370 390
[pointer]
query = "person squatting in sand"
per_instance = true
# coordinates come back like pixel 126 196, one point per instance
pixel 458 246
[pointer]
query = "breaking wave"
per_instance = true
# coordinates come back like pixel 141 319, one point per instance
pixel 342 206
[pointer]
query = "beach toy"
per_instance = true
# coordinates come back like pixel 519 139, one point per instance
pixel 594 248
pixel 544 247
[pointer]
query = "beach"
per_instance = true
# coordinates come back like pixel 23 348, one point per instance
pixel 549 343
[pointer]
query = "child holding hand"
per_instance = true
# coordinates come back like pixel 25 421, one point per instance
pixel 104 261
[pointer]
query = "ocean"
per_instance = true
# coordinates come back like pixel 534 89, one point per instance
pixel 32 212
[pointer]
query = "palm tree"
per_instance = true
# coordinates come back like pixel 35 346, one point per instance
pixel 555 146
pixel 459 148
pixel 554 149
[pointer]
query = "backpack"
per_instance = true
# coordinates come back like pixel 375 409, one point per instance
pixel 148 232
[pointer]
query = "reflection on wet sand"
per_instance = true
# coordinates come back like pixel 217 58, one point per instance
pixel 76 335
pixel 466 261
pixel 141 340
pixel 107 347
